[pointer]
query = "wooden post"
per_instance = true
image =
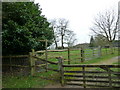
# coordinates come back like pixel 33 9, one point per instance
pixel 93 51
pixel 99 51
pixel 114 49
pixel 109 76
pixel 68 55
pixel 32 63
pixel 82 55
pixel 61 70
pixel 10 63
pixel 112 52
pixel 84 80
pixel 46 55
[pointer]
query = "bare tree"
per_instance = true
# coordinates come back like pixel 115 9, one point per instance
pixel 62 33
pixel 106 24
pixel 70 38
pixel 100 40
pixel 55 32
pixel 63 28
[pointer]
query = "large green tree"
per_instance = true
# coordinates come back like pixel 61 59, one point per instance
pixel 22 27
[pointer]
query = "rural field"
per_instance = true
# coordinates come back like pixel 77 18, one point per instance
pixel 44 47
pixel 51 79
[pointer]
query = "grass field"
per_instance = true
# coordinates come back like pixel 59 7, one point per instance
pixel 42 79
pixel 75 55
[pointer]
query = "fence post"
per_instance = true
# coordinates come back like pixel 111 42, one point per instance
pixel 82 55
pixel 84 81
pixel 93 51
pixel 99 51
pixel 10 63
pixel 68 55
pixel 109 76
pixel 46 55
pixel 32 62
pixel 61 70
pixel 112 52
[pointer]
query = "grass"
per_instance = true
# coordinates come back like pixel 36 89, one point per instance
pixel 23 82
pixel 42 79
pixel 75 56
pixel 38 81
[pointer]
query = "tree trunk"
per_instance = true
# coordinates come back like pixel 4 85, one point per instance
pixel 56 46
pixel 62 42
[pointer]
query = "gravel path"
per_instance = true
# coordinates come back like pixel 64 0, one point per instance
pixel 106 62
pixel 109 61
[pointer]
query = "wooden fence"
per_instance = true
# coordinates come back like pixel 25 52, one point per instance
pixel 76 56
pixel 33 62
pixel 90 75
pixel 18 64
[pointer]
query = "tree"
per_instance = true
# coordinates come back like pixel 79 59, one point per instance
pixel 55 32
pixel 70 38
pixel 22 27
pixel 62 33
pixel 100 40
pixel 63 29
pixel 106 25
pixel 92 42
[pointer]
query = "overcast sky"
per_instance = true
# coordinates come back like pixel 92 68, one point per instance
pixel 80 13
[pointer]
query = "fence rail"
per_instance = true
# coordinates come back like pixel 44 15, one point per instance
pixel 86 78
pixel 87 75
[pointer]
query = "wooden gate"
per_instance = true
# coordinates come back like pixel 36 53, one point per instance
pixel 91 75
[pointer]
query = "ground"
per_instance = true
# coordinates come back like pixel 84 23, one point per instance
pixel 106 62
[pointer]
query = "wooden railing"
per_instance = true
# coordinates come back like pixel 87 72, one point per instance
pixel 90 75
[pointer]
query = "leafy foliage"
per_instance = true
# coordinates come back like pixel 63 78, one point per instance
pixel 23 25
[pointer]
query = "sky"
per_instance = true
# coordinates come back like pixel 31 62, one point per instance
pixel 79 13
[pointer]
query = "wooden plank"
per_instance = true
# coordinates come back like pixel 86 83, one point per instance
pixel 45 60
pixel 60 60
pixel 68 55
pixel 73 75
pixel 77 65
pixel 52 51
pixel 97 72
pixel 32 63
pixel 110 71
pixel 93 85
pixel 101 81
pixel 40 65
pixel 85 72
pixel 82 55
pixel 90 76
pixel 14 65
pixel 53 69
pixel 17 56
pixel 76 84
pixel 109 77
pixel 84 78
